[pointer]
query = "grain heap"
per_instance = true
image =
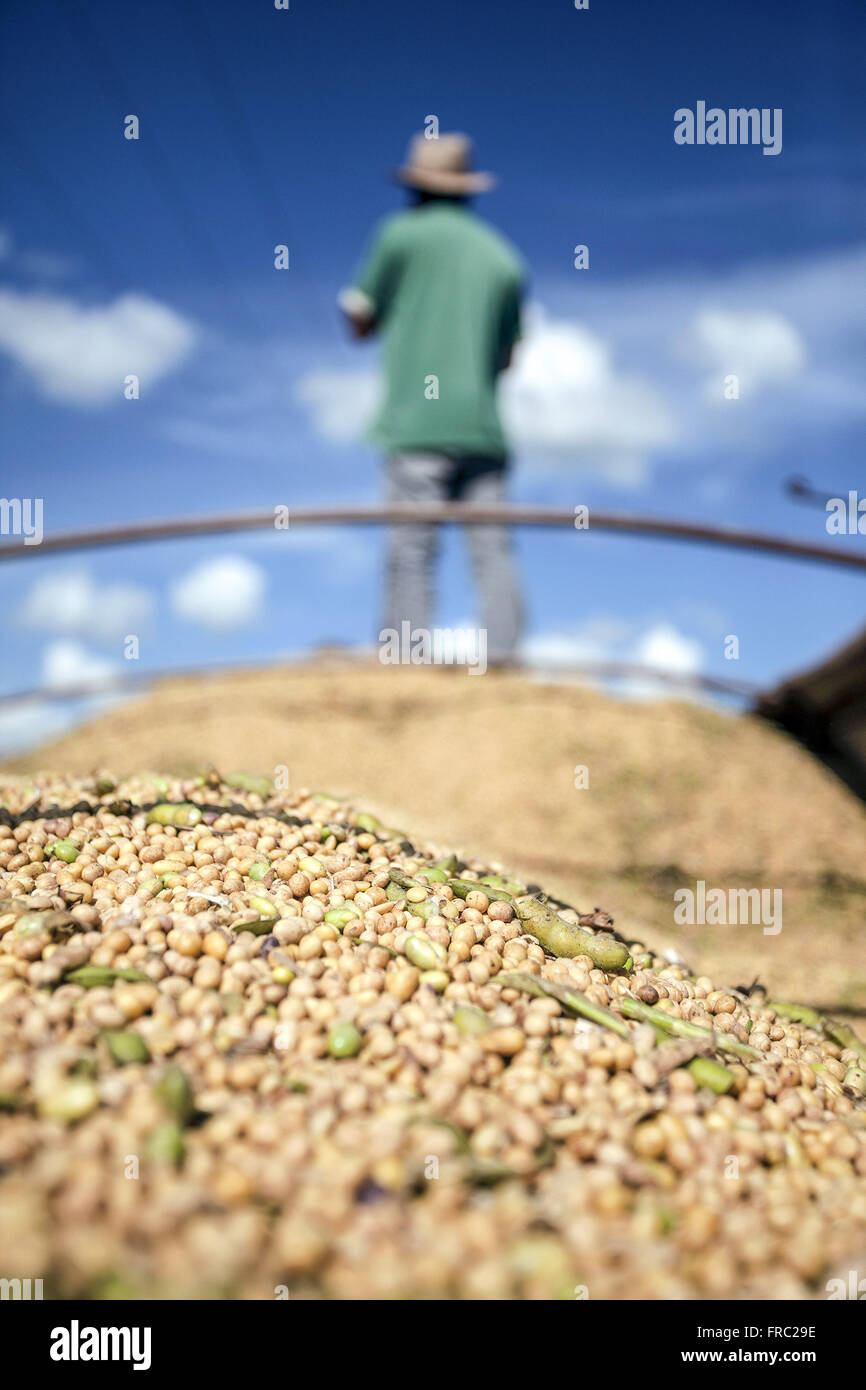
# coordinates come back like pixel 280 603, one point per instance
pixel 254 1044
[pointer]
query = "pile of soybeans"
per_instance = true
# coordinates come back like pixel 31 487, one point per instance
pixel 254 1044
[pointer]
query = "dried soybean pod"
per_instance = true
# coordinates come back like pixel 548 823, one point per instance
pixel 562 938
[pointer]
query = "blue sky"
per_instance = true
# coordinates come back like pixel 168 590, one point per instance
pixel 260 127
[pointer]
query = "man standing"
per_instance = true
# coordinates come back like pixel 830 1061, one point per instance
pixel 445 291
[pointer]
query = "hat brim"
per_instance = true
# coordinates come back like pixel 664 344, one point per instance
pixel 442 181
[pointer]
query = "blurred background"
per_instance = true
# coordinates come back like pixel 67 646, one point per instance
pixel 262 127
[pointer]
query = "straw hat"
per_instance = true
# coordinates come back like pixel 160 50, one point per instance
pixel 443 165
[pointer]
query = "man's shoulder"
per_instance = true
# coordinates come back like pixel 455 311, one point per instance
pixel 395 228
pixel 499 247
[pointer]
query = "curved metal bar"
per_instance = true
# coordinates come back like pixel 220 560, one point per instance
pixel 451 513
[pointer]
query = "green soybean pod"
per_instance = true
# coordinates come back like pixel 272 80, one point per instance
pixel 563 938
pixel 462 887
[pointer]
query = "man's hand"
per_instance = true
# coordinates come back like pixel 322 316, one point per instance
pixel 359 312
pixel 359 327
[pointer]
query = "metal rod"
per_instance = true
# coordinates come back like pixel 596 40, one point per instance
pixel 455 513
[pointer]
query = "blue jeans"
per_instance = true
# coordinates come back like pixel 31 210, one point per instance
pixel 430 477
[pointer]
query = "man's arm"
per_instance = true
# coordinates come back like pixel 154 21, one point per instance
pixel 366 302
pixel 511 331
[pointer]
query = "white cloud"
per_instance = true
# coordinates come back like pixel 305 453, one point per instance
pixel 340 403
pixel 761 349
pixel 73 603
pixel 793 325
pixel 565 400
pixel 80 354
pixel 666 648
pixel 597 639
pixel 564 403
pixel 66 663
pixel 612 639
pixel 221 594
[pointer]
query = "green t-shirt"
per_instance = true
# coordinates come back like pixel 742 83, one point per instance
pixel 446 291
